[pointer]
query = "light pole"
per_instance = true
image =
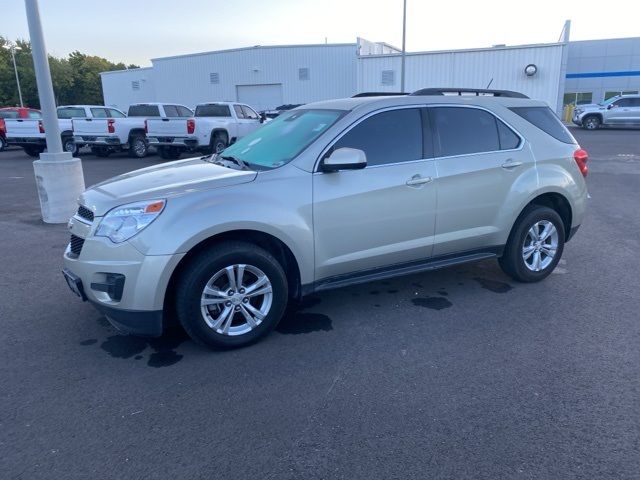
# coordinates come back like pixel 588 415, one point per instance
pixel 404 35
pixel 59 176
pixel 12 48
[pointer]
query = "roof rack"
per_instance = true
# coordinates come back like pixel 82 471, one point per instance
pixel 377 94
pixel 476 91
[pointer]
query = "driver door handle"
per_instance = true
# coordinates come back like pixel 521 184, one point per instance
pixel 509 164
pixel 417 180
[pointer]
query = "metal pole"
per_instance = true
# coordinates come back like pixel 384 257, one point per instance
pixel 15 69
pixel 404 35
pixel 43 78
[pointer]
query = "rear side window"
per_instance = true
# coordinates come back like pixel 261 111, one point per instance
pixel 71 113
pixel 388 137
pixel 144 111
pixel 461 131
pixel 213 111
pixel 508 139
pixel 545 120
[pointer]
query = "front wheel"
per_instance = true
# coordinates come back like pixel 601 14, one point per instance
pixel 592 122
pixel 231 296
pixel 535 245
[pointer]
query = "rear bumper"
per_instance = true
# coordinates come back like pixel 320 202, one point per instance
pixel 180 142
pixel 101 141
pixel 26 141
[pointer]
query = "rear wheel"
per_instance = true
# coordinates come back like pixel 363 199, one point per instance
pixel 535 245
pixel 231 296
pixel 102 152
pixel 69 146
pixel 591 122
pixel 137 146
pixel 219 141
pixel 33 151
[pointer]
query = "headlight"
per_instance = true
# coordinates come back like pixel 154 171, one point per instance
pixel 579 111
pixel 123 222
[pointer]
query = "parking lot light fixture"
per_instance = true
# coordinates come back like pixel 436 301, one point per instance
pixel 59 176
pixel 12 48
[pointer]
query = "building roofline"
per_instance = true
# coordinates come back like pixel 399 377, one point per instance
pixel 462 50
pixel 604 39
pixel 126 70
pixel 256 47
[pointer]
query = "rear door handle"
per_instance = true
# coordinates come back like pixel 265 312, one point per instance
pixel 509 164
pixel 418 180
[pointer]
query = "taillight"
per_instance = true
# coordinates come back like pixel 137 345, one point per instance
pixel 110 127
pixel 146 127
pixel 581 157
pixel 191 126
pixel 40 126
pixel 3 127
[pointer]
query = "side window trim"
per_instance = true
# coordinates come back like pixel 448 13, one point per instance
pixel 496 118
pixel 326 150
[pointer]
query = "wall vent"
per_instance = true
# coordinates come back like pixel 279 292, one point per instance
pixel 388 77
pixel 135 85
pixel 214 78
pixel 303 73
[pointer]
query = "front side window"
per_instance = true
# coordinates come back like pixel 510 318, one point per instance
pixel 623 102
pixel 71 113
pixel 184 111
pixel 281 140
pixel 113 113
pixel 462 131
pixel 388 137
pixel 171 111
pixel 249 113
pixel 144 111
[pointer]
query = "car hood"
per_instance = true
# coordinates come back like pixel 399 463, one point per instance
pixel 161 181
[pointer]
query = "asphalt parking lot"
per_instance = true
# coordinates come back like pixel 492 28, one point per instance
pixel 458 373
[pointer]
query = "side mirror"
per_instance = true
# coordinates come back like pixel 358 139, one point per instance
pixel 610 106
pixel 344 159
pixel 263 117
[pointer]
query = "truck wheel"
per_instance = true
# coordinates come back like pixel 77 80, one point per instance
pixel 591 122
pixel 218 142
pixel 231 296
pixel 169 153
pixel 535 245
pixel 33 151
pixel 137 146
pixel 68 145
pixel 102 152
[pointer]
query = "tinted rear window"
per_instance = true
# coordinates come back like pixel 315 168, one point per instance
pixel 8 114
pixel 144 111
pixel 213 111
pixel 545 120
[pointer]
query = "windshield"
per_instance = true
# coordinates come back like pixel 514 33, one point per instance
pixel 282 139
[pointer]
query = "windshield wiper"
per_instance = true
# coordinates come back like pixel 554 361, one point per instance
pixel 225 160
pixel 241 163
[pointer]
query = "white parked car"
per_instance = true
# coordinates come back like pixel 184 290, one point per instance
pixel 29 133
pixel 213 127
pixel 108 135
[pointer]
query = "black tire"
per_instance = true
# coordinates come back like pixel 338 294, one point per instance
pixel 219 141
pixel 3 144
pixel 68 145
pixel 138 147
pixel 202 268
pixel 169 153
pixel 102 152
pixel 591 122
pixel 513 262
pixel 33 151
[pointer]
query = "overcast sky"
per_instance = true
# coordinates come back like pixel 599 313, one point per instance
pixel 136 31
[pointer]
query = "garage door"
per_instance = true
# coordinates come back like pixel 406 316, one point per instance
pixel 260 97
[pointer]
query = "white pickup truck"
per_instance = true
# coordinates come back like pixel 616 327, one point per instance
pixel 29 133
pixel 126 133
pixel 212 128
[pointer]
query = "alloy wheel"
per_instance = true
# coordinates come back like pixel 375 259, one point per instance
pixel 540 245
pixel 236 299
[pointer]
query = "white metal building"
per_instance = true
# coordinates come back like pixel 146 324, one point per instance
pixel 268 76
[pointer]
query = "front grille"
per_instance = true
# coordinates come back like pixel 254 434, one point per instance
pixel 76 244
pixel 84 212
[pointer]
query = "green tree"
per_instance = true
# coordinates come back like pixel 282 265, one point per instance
pixel 76 79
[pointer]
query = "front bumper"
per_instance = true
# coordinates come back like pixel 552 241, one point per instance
pixel 136 301
pixel 180 142
pixel 576 119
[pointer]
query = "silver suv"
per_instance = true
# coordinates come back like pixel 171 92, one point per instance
pixel 329 194
pixel 619 111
